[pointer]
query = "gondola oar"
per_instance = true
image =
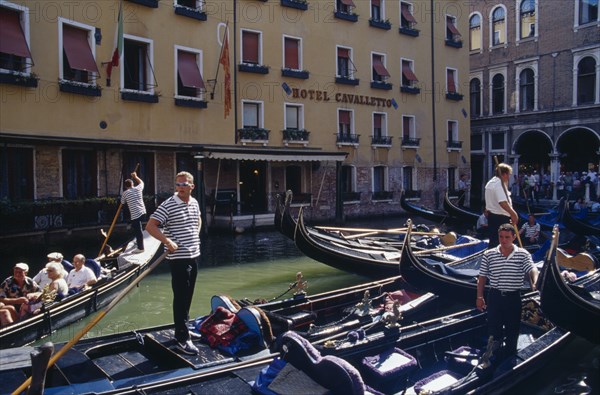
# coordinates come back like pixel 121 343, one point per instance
pixel 471 243
pixel 114 221
pixel 373 232
pixel 95 320
pixel 507 199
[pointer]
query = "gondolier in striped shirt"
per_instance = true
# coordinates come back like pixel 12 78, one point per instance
pixel 505 267
pixel 133 197
pixel 179 217
pixel 498 202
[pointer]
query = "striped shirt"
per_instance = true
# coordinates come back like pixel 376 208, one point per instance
pixel 506 273
pixel 135 200
pixel 181 223
pixel 530 230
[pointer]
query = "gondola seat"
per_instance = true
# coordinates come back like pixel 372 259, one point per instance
pixel 388 369
pixel 463 359
pixel 437 381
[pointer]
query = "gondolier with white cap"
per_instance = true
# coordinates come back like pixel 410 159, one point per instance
pixel 498 202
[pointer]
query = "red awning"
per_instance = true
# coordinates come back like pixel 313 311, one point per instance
pixel 343 53
pixel 250 47
pixel 291 53
pixel 12 38
pixel 380 68
pixel 349 3
pixel 408 73
pixel 451 27
pixel 406 13
pixel 376 2
pixel 79 54
pixel 188 70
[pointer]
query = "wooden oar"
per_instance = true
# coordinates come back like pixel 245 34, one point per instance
pixel 114 221
pixel 447 247
pixel 95 320
pixel 351 229
pixel 507 199
pixel 374 232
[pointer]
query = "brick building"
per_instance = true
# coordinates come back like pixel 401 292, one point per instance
pixel 535 87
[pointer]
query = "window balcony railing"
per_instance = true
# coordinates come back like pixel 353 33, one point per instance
pixel 385 141
pixel 453 145
pixel 346 80
pixel 253 135
pixel 79 88
pixel 297 136
pixel 385 25
pixel 412 194
pixel 146 3
pixel 298 4
pixel 194 13
pixel 413 90
pixel 253 68
pixel 408 31
pixel 455 42
pixel 21 79
pixel 410 142
pixel 454 96
pixel 350 196
pixel 347 139
pixel 347 16
pixel 300 74
pixel 383 195
pixel 381 85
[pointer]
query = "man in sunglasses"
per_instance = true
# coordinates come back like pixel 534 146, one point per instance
pixel 180 220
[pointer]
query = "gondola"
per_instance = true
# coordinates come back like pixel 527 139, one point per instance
pixel 75 307
pixel 458 280
pixel 463 215
pixel 129 359
pixel 437 216
pixel 284 222
pixel 573 307
pixel 576 225
pixel 440 355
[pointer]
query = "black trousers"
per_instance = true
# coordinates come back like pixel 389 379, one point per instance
pixel 504 318
pixel 136 225
pixel 183 282
pixel 494 222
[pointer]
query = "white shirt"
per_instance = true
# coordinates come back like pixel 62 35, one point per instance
pixel 494 194
pixel 77 279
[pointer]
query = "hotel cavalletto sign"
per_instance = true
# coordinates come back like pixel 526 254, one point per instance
pixel 339 97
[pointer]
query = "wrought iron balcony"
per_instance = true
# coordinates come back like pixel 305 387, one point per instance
pixel 454 145
pixel 454 96
pixel 347 138
pixel 253 135
pixel 381 140
pixel 410 142
pixel 385 25
pixel 295 136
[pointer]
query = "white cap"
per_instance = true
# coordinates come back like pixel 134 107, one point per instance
pixel 55 256
pixel 22 266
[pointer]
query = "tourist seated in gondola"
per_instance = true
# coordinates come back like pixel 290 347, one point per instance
pixel 482 224
pixel 531 231
pixel 8 315
pixel 42 278
pixel 55 290
pixel 81 276
pixel 15 290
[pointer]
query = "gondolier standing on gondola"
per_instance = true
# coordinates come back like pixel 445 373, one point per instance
pixel 504 267
pixel 498 202
pixel 133 197
pixel 179 217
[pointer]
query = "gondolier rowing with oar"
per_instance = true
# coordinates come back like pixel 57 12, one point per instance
pixel 498 202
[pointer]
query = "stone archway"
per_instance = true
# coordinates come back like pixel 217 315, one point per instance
pixel 534 148
pixel 578 148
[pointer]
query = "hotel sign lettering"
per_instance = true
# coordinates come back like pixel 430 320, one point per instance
pixel 339 97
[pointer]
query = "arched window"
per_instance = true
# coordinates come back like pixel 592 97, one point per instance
pixel 475 32
pixel 498 26
pixel 498 94
pixel 527 18
pixel 475 91
pixel 526 90
pixel 586 81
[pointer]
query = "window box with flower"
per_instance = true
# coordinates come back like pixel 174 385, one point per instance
pixel 194 13
pixel 380 24
pixel 297 4
pixel 300 74
pixel 295 136
pixel 28 80
pixel 253 68
pixel 191 102
pixel 79 88
pixel 253 135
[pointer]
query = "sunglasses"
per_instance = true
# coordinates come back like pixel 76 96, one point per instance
pixel 182 184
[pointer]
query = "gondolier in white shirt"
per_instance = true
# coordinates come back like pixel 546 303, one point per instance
pixel 134 198
pixel 179 217
pixel 504 267
pixel 498 202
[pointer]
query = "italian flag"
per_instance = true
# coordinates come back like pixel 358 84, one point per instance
pixel 118 46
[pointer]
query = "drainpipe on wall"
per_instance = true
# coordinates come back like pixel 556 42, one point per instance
pixel 436 192
pixel 339 204
pixel 235 70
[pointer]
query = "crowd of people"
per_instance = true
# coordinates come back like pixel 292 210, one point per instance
pixel 534 186
pixel 22 296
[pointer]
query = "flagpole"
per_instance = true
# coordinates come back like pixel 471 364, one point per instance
pixel 212 94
